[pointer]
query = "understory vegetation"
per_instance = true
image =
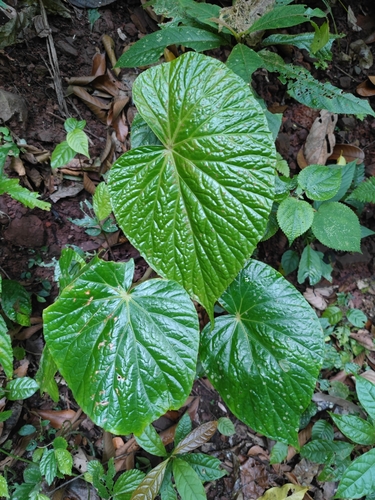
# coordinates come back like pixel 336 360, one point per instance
pixel 200 188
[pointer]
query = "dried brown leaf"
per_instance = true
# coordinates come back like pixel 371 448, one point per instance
pixel 301 160
pixel 364 337
pixel 107 84
pixel 369 375
pixel 315 298
pixel 96 105
pixel 349 152
pixel 88 184
pixel 117 106
pixel 109 46
pixel 56 418
pixel 99 65
pixel 120 128
pixel 321 139
pixel 303 436
pixel 17 165
pixel 366 88
pixel 21 371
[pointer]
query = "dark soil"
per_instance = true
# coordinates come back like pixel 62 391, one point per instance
pixel 32 239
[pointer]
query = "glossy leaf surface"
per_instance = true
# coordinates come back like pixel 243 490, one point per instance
pixel 197 206
pixel 366 395
pixel 265 355
pixel 150 441
pixel 207 467
pixel 322 451
pixel 196 438
pixel 21 388
pixel 359 478
pixel 187 481
pixel 6 351
pixel 355 428
pixel 127 355
pixel 244 61
pixel 150 485
pixel 149 49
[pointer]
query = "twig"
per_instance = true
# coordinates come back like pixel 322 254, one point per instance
pixel 54 71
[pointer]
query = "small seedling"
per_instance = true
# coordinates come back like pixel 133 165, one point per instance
pixel 76 142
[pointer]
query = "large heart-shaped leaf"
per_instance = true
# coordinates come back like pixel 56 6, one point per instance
pixel 196 206
pixel 264 356
pixel 128 355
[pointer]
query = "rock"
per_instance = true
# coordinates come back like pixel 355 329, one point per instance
pixel 26 232
pixel 12 105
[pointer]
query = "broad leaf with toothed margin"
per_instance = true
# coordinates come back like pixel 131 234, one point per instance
pixel 196 206
pixel 128 355
pixel 264 356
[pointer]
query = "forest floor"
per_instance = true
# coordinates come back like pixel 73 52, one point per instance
pixel 31 240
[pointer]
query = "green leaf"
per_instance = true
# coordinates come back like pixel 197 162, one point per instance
pixel 183 428
pixel 266 353
pixel 365 192
pixel 93 15
pixel 69 267
pixel 78 141
pixel 95 468
pixel 150 485
pixel 359 478
pixel 21 194
pixel 208 468
pixel 244 61
pixel 322 430
pixel 101 201
pixel 225 426
pixel 167 488
pixel 27 430
pixel 62 154
pixel 302 41
pixel 322 451
pixel 45 376
pixel 137 348
pixel 72 123
pixel 150 441
pixel 294 217
pixel 366 395
pixel 314 94
pixel 333 314
pixel 337 226
pixel 64 461
pixel 196 217
pixel 289 261
pixel 278 453
pixel 321 37
pixel 48 466
pixel 365 231
pixel 141 133
pixel 21 388
pixel 356 317
pixel 3 487
pixel 149 49
pixel 16 302
pixel 282 17
pixel 187 481
pixel 347 174
pixel 60 443
pixel 127 483
pixel 319 182
pixel 355 428
pixel 310 266
pixel 196 438
pixel 281 165
pixel 4 415
pixel 6 352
